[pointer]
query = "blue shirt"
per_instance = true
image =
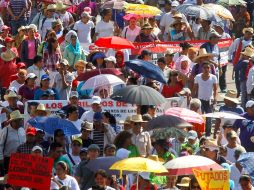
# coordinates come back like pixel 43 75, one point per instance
pixel 246 131
pixel 239 110
pixel 241 69
pixel 39 92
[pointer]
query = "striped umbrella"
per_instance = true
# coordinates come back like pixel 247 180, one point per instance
pixel 185 114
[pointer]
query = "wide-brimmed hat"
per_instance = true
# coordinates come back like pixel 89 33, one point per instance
pixel 32 26
pixel 11 94
pixel 231 95
pixel 87 126
pixel 146 26
pixel 16 115
pixel 80 63
pixel 202 53
pixel 177 15
pixel 137 119
pixel 177 22
pixel 51 7
pixel 211 144
pixel 21 28
pixel 61 6
pixel 250 30
pixel 185 182
pixel 8 55
pixel 41 107
pixel 248 52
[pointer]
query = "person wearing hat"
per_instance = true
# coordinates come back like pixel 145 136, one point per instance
pixel 57 27
pixel 205 30
pixel 20 81
pixel 42 111
pixel 146 34
pixel 84 27
pixel 88 6
pixel 12 98
pixel 131 31
pixel 64 15
pixel 192 142
pixel 241 69
pixel 80 67
pixel 163 149
pixel 184 183
pixel 86 130
pixel 12 135
pixel 37 151
pixel 63 80
pixel 110 150
pixel 140 138
pixel 247 136
pixel 144 182
pixel 169 55
pixel 242 19
pixel 48 95
pixel 44 86
pixel 19 38
pixel 4 32
pixel 46 23
pixel 27 146
pixel 95 107
pixel 110 62
pixel 177 33
pixel 73 116
pixel 212 151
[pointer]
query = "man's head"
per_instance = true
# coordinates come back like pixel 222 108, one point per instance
pixel 56 150
pixel 137 121
pixel 76 145
pixel 195 104
pixel 245 182
pixel 96 103
pixel 16 119
pixel 238 151
pixel 37 151
pixel 192 137
pixel 51 9
pixel 248 33
pixel 110 150
pixel 205 23
pixel 12 98
pixel 206 67
pixel 72 113
pixel 250 108
pixel 232 138
pixel 93 151
pixel 161 63
pixel 30 135
pixel 214 37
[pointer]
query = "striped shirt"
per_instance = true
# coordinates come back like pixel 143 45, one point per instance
pixel 17 6
pixel 98 138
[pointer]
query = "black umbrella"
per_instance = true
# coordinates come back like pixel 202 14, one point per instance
pixel 140 95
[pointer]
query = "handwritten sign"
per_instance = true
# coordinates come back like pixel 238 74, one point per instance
pixel 26 170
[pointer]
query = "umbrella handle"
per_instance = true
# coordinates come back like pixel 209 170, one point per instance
pixel 137 181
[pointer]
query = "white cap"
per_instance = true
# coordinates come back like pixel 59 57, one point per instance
pixel 37 148
pixel 96 100
pixel 74 94
pixel 192 135
pixel 31 76
pixel 175 4
pixel 111 58
pixel 249 104
pixel 122 153
pixel 145 175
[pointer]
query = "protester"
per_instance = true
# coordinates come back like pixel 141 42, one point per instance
pixel 27 147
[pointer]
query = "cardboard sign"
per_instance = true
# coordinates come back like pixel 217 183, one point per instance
pixel 213 180
pixel 26 170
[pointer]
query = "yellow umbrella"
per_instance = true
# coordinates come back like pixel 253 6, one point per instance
pixel 143 10
pixel 139 164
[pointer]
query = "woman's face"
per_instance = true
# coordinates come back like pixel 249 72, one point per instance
pixel 119 58
pixel 31 82
pixel 184 65
pixel 110 64
pixel 192 54
pixel 101 181
pixel 73 40
pixel 84 20
pixel 55 44
pixel 133 22
pixel 59 170
pixel 45 83
pixel 108 16
pixel 80 69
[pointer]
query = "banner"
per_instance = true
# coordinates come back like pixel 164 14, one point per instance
pixel 26 170
pixel 213 180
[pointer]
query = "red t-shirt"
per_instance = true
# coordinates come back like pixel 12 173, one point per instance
pixel 170 91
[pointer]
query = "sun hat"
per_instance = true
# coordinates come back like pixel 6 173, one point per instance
pixel 211 144
pixel 41 107
pixel 86 126
pixel 21 28
pixel 127 120
pixel 250 30
pixel 137 119
pixel 31 76
pixel 192 135
pixel 203 53
pixel 185 182
pixel 231 95
pixel 96 100
pixel 219 24
pixel 37 148
pixel 145 175
pixel 33 26
pixel 16 115
pixel 64 62
pixel 60 6
pixel 86 14
pixel 80 63
pixel 51 7
pixel 31 131
pixel 111 59
pixel 146 26
pixel 11 94
pixel 177 22
pixel 249 52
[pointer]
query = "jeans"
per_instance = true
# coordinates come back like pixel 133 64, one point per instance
pixel 244 93
pixel 15 25
pixel 206 107
pixel 222 78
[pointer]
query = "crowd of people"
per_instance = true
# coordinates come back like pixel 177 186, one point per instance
pixel 46 47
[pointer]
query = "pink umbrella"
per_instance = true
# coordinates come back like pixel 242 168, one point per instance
pixel 185 165
pixel 185 114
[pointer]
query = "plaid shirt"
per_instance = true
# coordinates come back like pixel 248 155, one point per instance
pixel 25 148
pixel 51 60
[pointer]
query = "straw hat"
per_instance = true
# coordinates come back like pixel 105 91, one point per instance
pixel 32 26
pixel 60 6
pixel 41 107
pixel 169 51
pixel 231 95
pixel 177 15
pixel 8 55
pixel 146 26
pixel 21 28
pixel 250 30
pixel 51 7
pixel 185 182
pixel 137 119
pixel 16 115
pixel 87 126
pixel 177 22
pixel 248 52
pixel 80 63
pixel 202 53
pixel 211 144
pixel 11 95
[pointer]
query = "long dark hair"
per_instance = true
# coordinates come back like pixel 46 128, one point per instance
pixel 51 41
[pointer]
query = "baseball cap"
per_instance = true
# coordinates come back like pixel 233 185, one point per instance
pixel 249 104
pixel 37 148
pixel 192 135
pixel 74 94
pixel 96 100
pixel 111 59
pixel 79 140
pixel 45 77
pixel 174 4
pixel 93 147
pixel 31 131
pixel 97 116
pixel 231 134
pixel 21 65
pixel 64 62
pixel 83 150
pixel 109 146
pixel 31 76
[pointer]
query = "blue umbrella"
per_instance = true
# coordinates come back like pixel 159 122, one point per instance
pixel 50 124
pixel 247 162
pixel 146 69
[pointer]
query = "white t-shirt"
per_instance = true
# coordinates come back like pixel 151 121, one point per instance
pixel 205 88
pixel 44 27
pixel 235 175
pixel 63 92
pixel 104 29
pixel 16 85
pixel 130 34
pixel 65 18
pixel 77 124
pixel 87 116
pixel 230 154
pixel 84 31
pixel 69 181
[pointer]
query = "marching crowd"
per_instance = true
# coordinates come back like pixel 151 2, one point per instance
pixel 45 47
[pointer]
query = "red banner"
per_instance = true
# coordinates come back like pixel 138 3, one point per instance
pixel 26 170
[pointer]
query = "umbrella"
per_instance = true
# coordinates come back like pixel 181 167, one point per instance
pixel 50 124
pixel 102 80
pixel 140 95
pixel 113 4
pixel 231 2
pixel 146 69
pixel 103 163
pixel 85 76
pixel 114 42
pixel 219 10
pixel 143 10
pixel 139 164
pixel 223 115
pixel 247 162
pixel 185 114
pixel 184 165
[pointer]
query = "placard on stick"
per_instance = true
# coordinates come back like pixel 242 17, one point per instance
pixel 26 170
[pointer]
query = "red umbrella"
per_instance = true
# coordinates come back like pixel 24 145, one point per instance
pixel 185 114
pixel 114 42
pixel 87 75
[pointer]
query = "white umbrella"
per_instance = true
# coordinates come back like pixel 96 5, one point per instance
pixel 101 81
pixel 223 115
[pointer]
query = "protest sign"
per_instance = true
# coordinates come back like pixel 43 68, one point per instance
pixel 26 170
pixel 213 180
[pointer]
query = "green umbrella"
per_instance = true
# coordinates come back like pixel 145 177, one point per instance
pixel 231 2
